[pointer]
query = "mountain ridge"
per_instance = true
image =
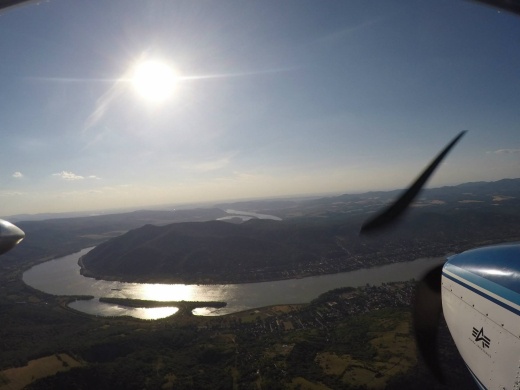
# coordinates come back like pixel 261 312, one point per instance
pixel 318 236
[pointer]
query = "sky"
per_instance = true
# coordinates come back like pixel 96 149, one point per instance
pixel 259 99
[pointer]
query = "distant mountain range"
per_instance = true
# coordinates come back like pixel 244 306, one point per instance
pixel 316 236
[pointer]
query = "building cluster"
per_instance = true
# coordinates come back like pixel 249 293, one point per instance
pixel 328 309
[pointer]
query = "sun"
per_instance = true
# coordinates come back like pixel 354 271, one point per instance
pixel 154 80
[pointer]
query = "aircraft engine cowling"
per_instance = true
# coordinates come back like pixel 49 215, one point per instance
pixel 481 305
pixel 10 236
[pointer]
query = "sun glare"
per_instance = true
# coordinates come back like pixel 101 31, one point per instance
pixel 154 80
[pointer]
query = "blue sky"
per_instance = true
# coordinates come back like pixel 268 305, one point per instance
pixel 273 98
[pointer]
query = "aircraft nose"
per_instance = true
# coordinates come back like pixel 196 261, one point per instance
pixel 10 236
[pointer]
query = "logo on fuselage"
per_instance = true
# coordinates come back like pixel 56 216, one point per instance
pixel 479 336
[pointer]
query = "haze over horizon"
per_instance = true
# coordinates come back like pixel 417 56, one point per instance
pixel 265 99
pixel 204 204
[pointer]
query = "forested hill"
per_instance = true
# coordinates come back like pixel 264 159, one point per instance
pixel 211 250
pixel 60 236
pixel 260 250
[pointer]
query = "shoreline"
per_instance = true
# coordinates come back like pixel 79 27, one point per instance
pixel 186 281
pixel 209 280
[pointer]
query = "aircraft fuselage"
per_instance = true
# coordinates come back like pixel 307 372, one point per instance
pixel 481 304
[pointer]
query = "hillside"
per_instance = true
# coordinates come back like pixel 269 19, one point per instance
pixel 196 251
pixel 58 237
pixel 323 240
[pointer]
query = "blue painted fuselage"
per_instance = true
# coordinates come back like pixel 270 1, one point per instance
pixel 481 304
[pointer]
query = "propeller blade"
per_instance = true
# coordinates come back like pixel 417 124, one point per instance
pixel 390 215
pixel 427 309
pixel 6 4
pixel 507 5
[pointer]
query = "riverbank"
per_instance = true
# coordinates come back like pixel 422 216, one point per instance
pixel 61 277
pixel 232 278
pixel 324 267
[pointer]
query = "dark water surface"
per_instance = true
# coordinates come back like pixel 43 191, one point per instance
pixel 61 277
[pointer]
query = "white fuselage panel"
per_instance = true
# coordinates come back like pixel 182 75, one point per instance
pixel 485 327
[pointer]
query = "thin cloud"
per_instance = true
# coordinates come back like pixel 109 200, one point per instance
pixel 506 151
pixel 17 175
pixel 65 175
pixel 209 166
pixel 10 193
pixel 344 33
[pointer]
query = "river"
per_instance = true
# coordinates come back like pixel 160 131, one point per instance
pixel 247 215
pixel 62 277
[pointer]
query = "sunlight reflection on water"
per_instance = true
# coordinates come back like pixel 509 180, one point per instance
pixel 103 309
pixel 165 292
pixel 203 311
pixel 62 277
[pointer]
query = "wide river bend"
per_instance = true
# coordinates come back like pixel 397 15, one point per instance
pixel 62 277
